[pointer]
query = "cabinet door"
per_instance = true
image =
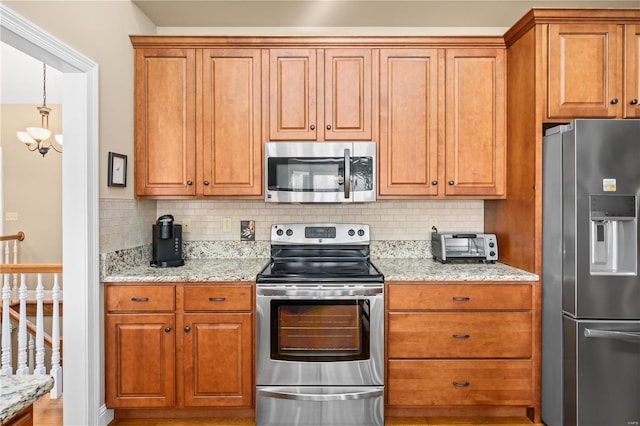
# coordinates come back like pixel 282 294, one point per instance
pixel 347 94
pixel 409 80
pixel 232 145
pixel 585 62
pixel 632 98
pixel 475 122
pixel 218 361
pixel 140 360
pixel 292 94
pixel 165 122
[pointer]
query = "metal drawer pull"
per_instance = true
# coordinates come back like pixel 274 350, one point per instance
pixel 461 385
pixel 139 299
pixel 217 299
pixel 461 299
pixel 461 336
pixel 630 336
pixel 346 396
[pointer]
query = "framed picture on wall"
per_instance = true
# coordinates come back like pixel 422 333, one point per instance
pixel 117 170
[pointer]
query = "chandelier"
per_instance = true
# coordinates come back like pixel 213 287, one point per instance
pixel 38 138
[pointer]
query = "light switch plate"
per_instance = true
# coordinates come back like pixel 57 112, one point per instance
pixel 11 216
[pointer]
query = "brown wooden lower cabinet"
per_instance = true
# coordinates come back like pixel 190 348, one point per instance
pixel 462 348
pixel 178 346
pixel 459 382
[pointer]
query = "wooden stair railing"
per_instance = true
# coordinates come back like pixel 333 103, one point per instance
pixel 7 271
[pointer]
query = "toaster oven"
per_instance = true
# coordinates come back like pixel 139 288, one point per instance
pixel 464 246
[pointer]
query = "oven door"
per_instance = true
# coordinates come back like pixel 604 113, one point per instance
pixel 328 172
pixel 313 337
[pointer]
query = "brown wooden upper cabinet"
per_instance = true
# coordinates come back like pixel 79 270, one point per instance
pixel 408 160
pixel 442 122
pixel 593 70
pixel 198 136
pixel 165 122
pixel 320 94
pixel 231 122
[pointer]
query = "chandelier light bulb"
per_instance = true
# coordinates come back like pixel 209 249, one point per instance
pixel 58 139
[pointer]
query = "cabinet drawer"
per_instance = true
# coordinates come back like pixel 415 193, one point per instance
pixel 460 335
pixel 425 383
pixel 139 298
pixel 447 297
pixel 218 298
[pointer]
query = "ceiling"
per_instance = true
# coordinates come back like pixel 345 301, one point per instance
pixel 350 13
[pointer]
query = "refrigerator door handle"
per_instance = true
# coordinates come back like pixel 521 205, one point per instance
pixel 630 336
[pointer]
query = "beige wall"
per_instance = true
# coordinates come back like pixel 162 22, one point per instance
pixel 32 186
pixel 100 30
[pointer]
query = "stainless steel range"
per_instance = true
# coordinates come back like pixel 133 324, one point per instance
pixel 320 328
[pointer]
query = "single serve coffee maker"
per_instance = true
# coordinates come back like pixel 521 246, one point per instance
pixel 167 242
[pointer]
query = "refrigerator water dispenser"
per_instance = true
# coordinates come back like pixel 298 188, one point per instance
pixel 613 236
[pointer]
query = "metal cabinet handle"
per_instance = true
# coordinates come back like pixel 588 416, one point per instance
pixel 328 126
pixel 461 299
pixel 276 393
pixel 167 329
pixel 139 299
pixel 206 182
pixel 312 127
pixel 189 182
pixel 461 336
pixel 217 299
pixel 187 328
pixel 434 182
pixel 451 182
pixel 614 101
pixel 461 385
pixel 634 102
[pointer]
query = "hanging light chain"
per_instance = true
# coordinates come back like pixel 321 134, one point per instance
pixel 44 84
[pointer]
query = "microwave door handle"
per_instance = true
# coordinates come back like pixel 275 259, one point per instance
pixel 633 336
pixel 347 173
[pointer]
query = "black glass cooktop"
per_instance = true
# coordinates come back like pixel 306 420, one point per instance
pixel 332 271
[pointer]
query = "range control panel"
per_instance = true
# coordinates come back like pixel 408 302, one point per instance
pixel 325 233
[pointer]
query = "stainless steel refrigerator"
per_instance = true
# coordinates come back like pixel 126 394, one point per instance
pixel 590 283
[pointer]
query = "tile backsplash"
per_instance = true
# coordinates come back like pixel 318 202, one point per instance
pixel 127 223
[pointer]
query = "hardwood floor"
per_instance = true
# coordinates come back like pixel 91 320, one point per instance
pixel 48 412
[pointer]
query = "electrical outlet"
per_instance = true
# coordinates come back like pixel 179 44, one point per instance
pixel 11 216
pixel 226 224
pixel 432 223
pixel 186 225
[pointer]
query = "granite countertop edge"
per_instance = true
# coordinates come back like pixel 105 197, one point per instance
pixel 18 392
pixel 393 269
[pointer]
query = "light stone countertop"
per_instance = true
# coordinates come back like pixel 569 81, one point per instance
pixel 18 392
pixel 196 270
pixel 394 269
pixel 431 270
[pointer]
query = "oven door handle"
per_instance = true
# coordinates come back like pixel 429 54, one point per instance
pixel 632 336
pixel 271 291
pixel 346 396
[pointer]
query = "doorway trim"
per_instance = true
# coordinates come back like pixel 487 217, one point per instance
pixel 80 251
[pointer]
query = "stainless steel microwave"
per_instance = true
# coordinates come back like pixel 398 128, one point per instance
pixel 320 172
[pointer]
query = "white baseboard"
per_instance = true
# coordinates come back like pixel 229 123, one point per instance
pixel 105 415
